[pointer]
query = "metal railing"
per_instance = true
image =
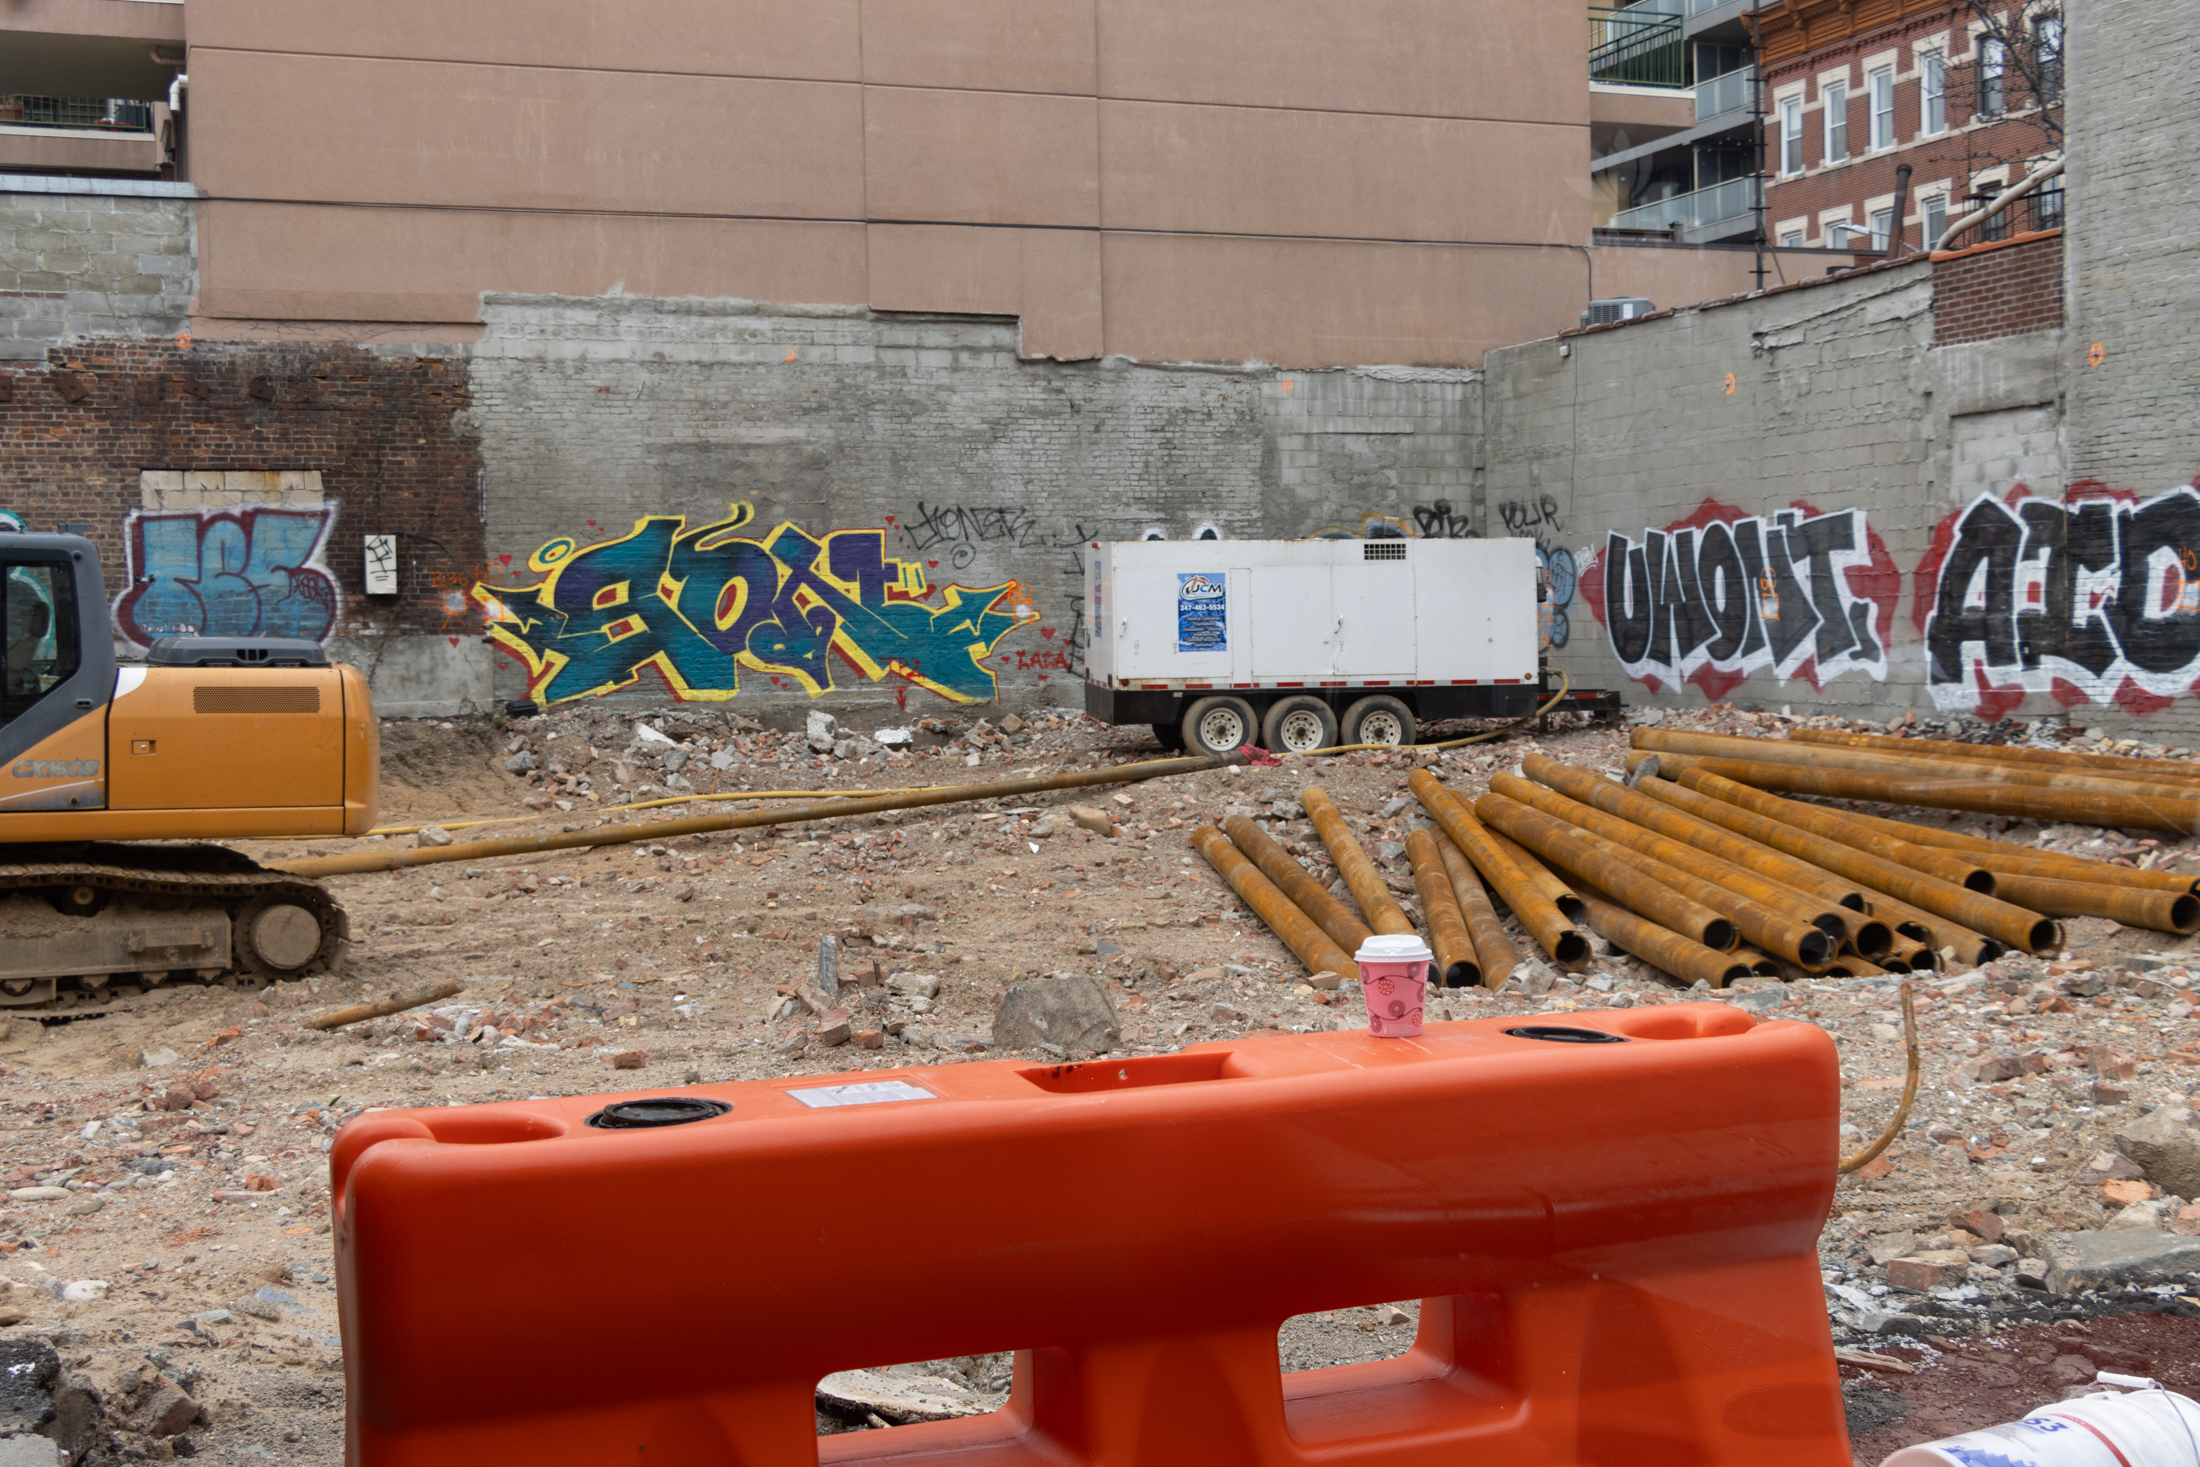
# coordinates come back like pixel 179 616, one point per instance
pixel 1636 47
pixel 1706 206
pixel 1728 93
pixel 98 114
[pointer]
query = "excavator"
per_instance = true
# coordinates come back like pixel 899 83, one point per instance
pixel 113 772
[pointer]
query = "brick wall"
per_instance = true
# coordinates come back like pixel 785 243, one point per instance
pixel 384 430
pixel 1998 289
pixel 2133 362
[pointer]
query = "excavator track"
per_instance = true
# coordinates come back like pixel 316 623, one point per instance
pixel 85 928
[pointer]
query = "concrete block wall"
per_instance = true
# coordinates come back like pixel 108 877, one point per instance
pixel 84 264
pixel 2133 361
pixel 928 466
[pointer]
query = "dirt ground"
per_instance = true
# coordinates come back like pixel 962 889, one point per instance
pixel 186 1252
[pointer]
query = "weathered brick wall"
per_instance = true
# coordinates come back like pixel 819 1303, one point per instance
pixel 383 430
pixel 1996 290
pixel 2133 361
pixel 921 454
pixel 83 264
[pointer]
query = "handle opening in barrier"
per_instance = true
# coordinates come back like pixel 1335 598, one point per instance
pixel 1128 1074
pixel 929 1405
pixel 1448 1371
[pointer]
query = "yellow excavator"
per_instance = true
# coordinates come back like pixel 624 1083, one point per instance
pixel 205 738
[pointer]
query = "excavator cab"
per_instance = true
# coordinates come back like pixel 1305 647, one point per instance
pixel 205 738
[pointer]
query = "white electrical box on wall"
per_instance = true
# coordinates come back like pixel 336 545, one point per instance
pixel 381 561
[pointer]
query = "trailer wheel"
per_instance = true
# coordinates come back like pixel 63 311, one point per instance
pixel 1379 720
pixel 1218 725
pixel 1298 725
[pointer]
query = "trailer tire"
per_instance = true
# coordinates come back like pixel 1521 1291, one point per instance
pixel 1298 725
pixel 1380 720
pixel 1219 726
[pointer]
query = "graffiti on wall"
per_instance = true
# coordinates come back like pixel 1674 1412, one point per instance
pixel 701 606
pixel 1721 595
pixel 247 571
pixel 1556 570
pixel 2093 598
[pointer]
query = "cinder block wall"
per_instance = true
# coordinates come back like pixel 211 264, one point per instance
pixel 2134 244
pixel 943 491
pixel 81 264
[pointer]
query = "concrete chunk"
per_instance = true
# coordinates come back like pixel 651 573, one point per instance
pixel 2080 1261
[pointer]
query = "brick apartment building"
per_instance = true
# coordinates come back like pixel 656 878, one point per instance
pixel 1969 95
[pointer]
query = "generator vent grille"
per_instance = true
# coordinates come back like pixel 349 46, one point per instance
pixel 1383 550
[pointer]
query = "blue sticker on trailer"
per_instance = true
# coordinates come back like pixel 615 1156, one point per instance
pixel 1202 614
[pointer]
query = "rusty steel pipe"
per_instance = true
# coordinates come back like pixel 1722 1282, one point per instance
pixel 1999 856
pixel 1649 888
pixel 1916 766
pixel 1929 932
pixel 1360 876
pixel 2144 769
pixel 2033 802
pixel 1543 920
pixel 2159 911
pixel 1768 915
pixel 1834 825
pixel 1277 864
pixel 1493 949
pixel 1814 884
pixel 834 809
pixel 1456 966
pixel 1297 930
pixel 1985 914
pixel 1549 882
pixel 1667 951
pixel 1760 964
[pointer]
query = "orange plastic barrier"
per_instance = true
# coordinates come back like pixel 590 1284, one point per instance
pixel 1615 1241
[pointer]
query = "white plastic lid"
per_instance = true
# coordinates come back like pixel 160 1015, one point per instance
pixel 1394 947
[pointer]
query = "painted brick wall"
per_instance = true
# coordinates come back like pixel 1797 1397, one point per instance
pixel 1998 289
pixel 974 469
pixel 2134 244
pixel 218 424
pixel 82 264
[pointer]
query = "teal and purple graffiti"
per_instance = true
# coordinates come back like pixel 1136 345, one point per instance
pixel 699 606
pixel 252 571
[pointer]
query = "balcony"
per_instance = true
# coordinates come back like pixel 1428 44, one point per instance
pixel 1636 47
pixel 82 135
pixel 1710 213
pixel 96 114
pixel 1719 95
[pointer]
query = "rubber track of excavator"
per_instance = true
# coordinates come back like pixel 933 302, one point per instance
pixel 196 876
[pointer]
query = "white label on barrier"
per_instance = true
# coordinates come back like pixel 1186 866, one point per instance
pixel 878 1092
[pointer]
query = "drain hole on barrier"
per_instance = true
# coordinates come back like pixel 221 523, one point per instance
pixel 1347 1336
pixel 1565 1034
pixel 909 1395
pixel 656 1111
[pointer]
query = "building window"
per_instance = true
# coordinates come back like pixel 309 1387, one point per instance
pixel 1882 229
pixel 2047 42
pixel 1932 91
pixel 2050 196
pixel 1998 226
pixel 1936 220
pixel 1837 120
pixel 1792 240
pixel 1992 82
pixel 1791 135
pixel 1882 100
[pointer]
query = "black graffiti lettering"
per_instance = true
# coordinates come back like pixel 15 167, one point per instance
pixel 1523 518
pixel 1986 543
pixel 2044 607
pixel 1627 607
pixel 1438 522
pixel 1740 595
pixel 1726 588
pixel 1819 538
pixel 2160 543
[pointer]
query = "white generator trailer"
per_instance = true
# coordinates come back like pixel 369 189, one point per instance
pixel 1304 644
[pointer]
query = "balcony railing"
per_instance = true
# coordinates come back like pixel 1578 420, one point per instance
pixel 97 114
pixel 1706 206
pixel 1636 47
pixel 1722 94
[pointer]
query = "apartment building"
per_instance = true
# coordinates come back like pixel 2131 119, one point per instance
pixel 1692 171
pixel 1201 180
pixel 1968 94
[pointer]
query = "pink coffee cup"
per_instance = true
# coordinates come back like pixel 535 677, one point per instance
pixel 1394 981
